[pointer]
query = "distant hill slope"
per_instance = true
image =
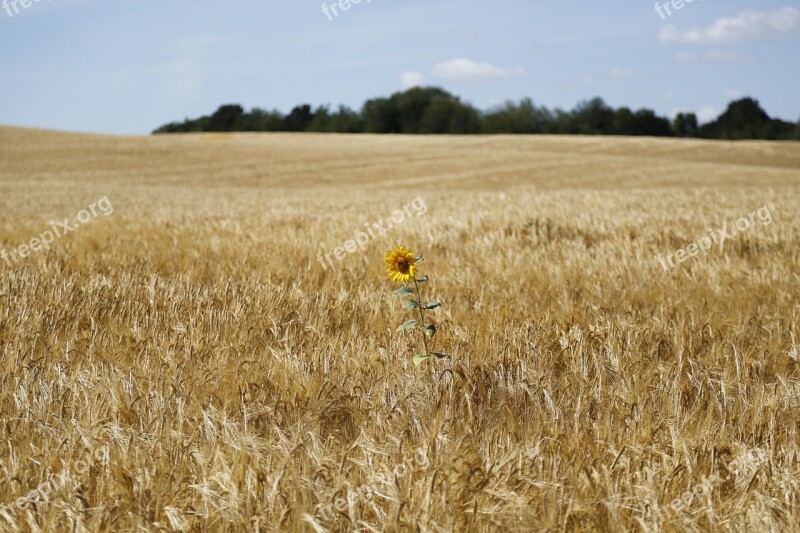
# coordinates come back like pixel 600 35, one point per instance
pixel 308 160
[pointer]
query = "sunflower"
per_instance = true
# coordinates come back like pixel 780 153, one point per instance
pixel 401 264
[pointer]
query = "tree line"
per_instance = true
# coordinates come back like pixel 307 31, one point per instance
pixel 422 110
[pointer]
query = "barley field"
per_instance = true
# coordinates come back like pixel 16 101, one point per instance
pixel 190 361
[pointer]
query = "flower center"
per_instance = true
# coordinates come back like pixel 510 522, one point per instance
pixel 402 265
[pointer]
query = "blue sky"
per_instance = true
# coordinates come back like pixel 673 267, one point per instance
pixel 127 66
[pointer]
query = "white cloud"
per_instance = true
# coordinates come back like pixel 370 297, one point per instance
pixel 622 73
pixel 465 69
pixel 713 56
pixel 746 26
pixel 463 33
pixel 201 41
pixel 181 79
pixel 669 95
pixel 411 79
pixel 706 114
pixel 613 74
pixel 185 75
pixel 732 94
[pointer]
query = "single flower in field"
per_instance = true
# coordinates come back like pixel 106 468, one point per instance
pixel 401 265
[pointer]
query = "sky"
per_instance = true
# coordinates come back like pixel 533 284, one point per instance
pixel 127 67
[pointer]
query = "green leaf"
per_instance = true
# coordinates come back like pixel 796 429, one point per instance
pixel 430 331
pixel 403 291
pixel 412 304
pixel 418 359
pixel 440 355
pixel 407 325
pixel 423 279
pixel 433 305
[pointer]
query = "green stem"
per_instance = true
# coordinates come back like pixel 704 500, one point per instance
pixel 421 318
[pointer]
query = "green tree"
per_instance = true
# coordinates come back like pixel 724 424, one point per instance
pixel 410 106
pixel 343 120
pixel 263 120
pixel 778 130
pixel 622 123
pixel 434 110
pixel 563 123
pixel 447 115
pixel 685 125
pixel 380 116
pixel 226 118
pixel 174 127
pixel 646 122
pixel 299 118
pixel 346 120
pixel 402 112
pixel 510 117
pixel 321 121
pixel 594 117
pixel 743 119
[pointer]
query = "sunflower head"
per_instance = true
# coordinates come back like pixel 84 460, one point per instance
pixel 401 264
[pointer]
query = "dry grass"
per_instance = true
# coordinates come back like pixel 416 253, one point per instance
pixel 239 386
